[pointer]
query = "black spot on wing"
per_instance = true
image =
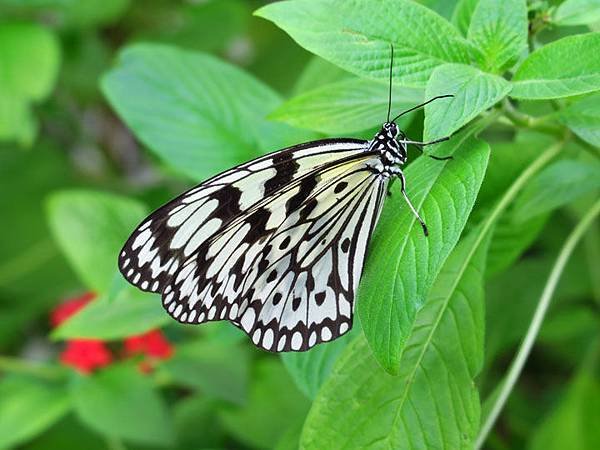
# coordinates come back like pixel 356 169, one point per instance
pixel 307 185
pixel 286 167
pixel 229 202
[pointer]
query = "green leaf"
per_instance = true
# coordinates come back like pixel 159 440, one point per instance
pixel 198 114
pixel 217 370
pixel 463 12
pixel 573 423
pixel 28 407
pixel 273 404
pixel 29 62
pixel 433 402
pixel 583 118
pixel 317 73
pixel 474 92
pixel 91 227
pixel 345 106
pixel 556 185
pixel 577 12
pixel 121 402
pixel 197 424
pixel 357 35
pixel 499 28
pixel 310 369
pixel 566 67
pixel 402 263
pixel 130 312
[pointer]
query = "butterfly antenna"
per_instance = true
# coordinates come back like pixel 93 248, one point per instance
pixel 421 105
pixel 390 90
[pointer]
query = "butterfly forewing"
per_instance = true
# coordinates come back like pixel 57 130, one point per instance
pixel 275 245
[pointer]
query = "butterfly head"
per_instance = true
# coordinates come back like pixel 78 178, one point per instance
pixel 390 141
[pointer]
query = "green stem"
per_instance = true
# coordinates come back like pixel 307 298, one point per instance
pixel 516 366
pixel 523 120
pixel 22 366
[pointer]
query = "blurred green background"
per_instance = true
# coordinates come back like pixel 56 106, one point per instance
pixel 74 180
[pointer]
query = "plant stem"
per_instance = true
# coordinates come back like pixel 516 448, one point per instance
pixel 523 120
pixel 518 363
pixel 22 366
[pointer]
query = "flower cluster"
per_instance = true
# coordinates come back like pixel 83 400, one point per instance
pixel 87 355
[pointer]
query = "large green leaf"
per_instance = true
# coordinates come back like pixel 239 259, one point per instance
pixel 555 186
pixel 91 227
pixel 198 114
pixel 402 262
pixel 273 404
pixel 356 35
pixel 127 313
pixel 583 117
pixel 432 403
pixel 29 62
pixel 28 407
pixel 474 92
pixel 463 13
pixel 566 67
pixel 122 402
pixel 577 12
pixel 345 106
pixel 499 28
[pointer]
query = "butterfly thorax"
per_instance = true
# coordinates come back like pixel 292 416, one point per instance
pixel 392 152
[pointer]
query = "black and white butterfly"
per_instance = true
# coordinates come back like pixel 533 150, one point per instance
pixel 275 245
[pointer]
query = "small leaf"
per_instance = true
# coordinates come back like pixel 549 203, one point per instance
pixel 577 12
pixel 433 402
pixel 29 62
pixel 273 404
pixel 130 312
pixel 402 263
pixel 357 36
pixel 345 106
pixel 566 67
pixel 81 220
pixel 556 185
pixel 217 370
pixel 198 114
pixel 583 118
pixel 121 402
pixel 463 12
pixel 499 28
pixel 474 92
pixel 310 369
pixel 28 407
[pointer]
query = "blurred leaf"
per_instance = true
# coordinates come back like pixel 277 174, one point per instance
pixel 577 12
pixel 27 408
pixel 197 424
pixel 199 114
pixel 273 404
pixel 562 68
pixel 344 106
pixel 358 34
pixel 463 12
pixel 433 402
pixel 129 313
pixel 67 434
pixel 121 402
pixel 556 185
pixel 499 28
pixel 474 92
pixel 29 62
pixel 573 423
pixel 583 118
pixel 402 263
pixel 217 370
pixel 80 220
pixel 310 369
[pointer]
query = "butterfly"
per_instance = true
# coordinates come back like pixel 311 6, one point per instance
pixel 276 245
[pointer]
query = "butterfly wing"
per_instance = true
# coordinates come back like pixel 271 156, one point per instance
pixel 286 273
pixel 156 250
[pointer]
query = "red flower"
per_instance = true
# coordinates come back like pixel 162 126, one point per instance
pixel 153 344
pixel 65 310
pixel 86 355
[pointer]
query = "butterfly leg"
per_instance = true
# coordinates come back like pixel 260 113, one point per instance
pixel 420 146
pixel 400 175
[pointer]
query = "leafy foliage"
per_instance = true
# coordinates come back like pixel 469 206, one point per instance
pixel 110 108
